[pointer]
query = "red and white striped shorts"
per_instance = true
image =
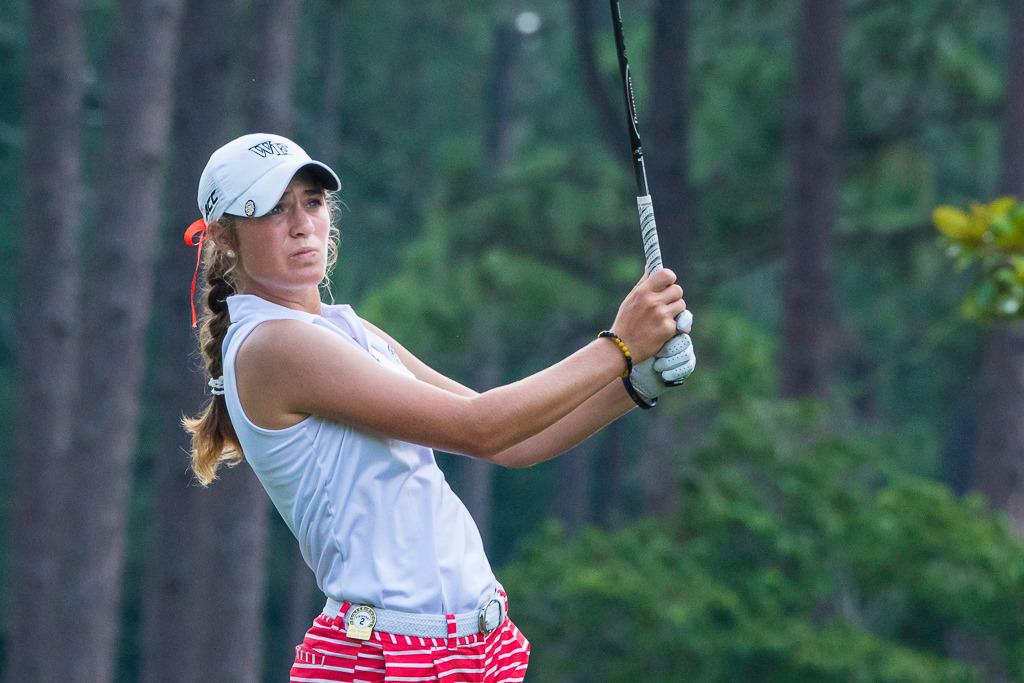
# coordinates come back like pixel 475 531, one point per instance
pixel 326 655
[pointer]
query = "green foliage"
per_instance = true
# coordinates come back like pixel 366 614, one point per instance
pixel 800 552
pixel 793 558
pixel 537 246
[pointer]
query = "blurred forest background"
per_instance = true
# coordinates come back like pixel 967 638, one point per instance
pixel 836 495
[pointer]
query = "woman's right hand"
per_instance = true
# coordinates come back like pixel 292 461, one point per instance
pixel 647 316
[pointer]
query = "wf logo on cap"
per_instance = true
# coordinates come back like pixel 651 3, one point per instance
pixel 268 148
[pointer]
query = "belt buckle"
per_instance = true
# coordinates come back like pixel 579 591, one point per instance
pixel 361 620
pixel 483 617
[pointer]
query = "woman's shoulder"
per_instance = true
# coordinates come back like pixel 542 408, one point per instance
pixel 282 338
pixel 268 368
pixel 282 359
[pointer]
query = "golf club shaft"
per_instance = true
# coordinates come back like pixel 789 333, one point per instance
pixel 648 228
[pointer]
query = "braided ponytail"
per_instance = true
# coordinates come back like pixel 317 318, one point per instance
pixel 214 441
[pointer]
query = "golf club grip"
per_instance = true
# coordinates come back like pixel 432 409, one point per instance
pixel 649 234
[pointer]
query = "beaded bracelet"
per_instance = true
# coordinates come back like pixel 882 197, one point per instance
pixel 622 347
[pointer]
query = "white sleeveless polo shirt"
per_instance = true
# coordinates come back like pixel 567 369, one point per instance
pixel 374 517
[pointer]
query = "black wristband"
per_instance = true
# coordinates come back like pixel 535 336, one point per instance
pixel 635 395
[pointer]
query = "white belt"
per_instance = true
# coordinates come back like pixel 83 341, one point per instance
pixel 483 620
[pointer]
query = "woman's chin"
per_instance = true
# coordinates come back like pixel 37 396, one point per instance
pixel 306 278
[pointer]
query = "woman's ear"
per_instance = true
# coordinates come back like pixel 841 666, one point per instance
pixel 221 236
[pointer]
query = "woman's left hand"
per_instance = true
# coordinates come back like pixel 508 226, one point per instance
pixel 670 366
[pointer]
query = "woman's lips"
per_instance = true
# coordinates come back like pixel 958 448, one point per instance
pixel 304 252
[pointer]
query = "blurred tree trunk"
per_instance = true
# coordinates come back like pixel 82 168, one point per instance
pixel 476 477
pixel 659 467
pixel 962 438
pixel 669 179
pixel 499 142
pixel 573 498
pixel 327 121
pixel 117 286
pixel 269 79
pixel 611 474
pixel 572 502
pixel 236 509
pixel 668 123
pixel 178 574
pixel 808 318
pixel 999 455
pixel 47 327
pixel 588 16
pixel 998 459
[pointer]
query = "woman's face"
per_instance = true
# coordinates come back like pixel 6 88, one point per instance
pixel 285 251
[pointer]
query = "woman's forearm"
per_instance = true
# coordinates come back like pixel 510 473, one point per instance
pixel 604 407
pixel 511 414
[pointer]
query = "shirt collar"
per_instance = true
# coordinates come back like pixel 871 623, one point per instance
pixel 241 306
pixel 338 316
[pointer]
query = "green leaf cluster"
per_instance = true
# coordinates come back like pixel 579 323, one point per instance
pixel 988 238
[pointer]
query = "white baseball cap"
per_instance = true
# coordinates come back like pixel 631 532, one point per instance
pixel 247 176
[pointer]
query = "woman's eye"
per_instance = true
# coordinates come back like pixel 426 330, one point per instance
pixel 276 210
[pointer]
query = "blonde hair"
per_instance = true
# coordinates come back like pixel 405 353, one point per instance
pixel 214 441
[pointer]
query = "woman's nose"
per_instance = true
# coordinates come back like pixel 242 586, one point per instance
pixel 301 223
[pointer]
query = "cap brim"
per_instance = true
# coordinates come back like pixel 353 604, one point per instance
pixel 266 192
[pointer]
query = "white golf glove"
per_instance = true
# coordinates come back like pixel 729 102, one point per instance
pixel 670 366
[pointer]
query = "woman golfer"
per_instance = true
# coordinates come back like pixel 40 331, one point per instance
pixel 338 420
